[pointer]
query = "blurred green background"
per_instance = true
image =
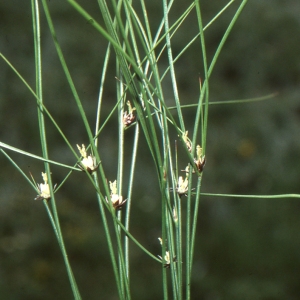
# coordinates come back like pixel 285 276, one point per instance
pixel 245 248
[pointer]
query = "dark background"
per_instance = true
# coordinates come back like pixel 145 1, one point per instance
pixel 245 248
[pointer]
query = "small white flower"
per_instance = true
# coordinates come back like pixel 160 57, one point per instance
pixel 44 189
pixel 182 186
pixel 88 162
pixel 166 259
pixel 117 200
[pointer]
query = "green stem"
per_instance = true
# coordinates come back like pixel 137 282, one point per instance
pixel 109 241
pixel 128 203
pixel 171 66
pixel 38 68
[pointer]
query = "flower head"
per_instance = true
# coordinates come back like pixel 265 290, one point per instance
pixel 129 117
pixel 88 162
pixel 166 259
pixel 182 185
pixel 117 200
pixel 44 189
pixel 200 160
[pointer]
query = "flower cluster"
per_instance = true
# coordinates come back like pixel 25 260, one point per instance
pixel 129 117
pixel 166 259
pixel 182 185
pixel 44 189
pixel 200 160
pixel 87 163
pixel 116 199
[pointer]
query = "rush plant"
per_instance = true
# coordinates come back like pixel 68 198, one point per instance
pixel 138 51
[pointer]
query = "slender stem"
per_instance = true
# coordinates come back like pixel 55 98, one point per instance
pixel 171 66
pixel 38 68
pixel 188 239
pixel 109 241
pixel 179 247
pixel 194 226
pixel 120 92
pixel 128 204
pixel 104 72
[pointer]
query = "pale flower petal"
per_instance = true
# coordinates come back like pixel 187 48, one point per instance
pixel 44 189
pixel 88 162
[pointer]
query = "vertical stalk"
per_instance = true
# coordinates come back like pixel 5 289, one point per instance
pixel 128 204
pixel 109 241
pixel 39 93
pixel 171 66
